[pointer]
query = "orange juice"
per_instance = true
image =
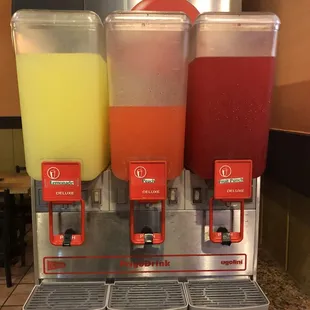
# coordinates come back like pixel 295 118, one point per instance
pixel 147 133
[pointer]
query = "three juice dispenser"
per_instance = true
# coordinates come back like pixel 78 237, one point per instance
pixel 230 83
pixel 147 56
pixel 230 86
pixel 62 81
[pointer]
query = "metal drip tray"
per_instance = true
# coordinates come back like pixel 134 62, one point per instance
pixel 68 296
pixel 152 295
pixel 226 295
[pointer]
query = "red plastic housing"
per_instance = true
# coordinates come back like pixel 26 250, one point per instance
pixel 148 180
pixel 232 179
pixel 61 181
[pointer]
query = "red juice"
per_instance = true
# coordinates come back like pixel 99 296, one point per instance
pixel 228 111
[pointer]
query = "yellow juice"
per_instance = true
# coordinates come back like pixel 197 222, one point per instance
pixel 64 109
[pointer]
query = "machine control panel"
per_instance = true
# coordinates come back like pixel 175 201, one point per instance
pixel 198 192
pixel 107 193
pixel 233 179
pixel 61 181
pixel 188 192
pixel 119 194
pixel 94 193
pixel 96 196
pixel 172 196
pixel 197 195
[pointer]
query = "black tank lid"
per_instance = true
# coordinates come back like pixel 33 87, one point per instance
pixel 47 5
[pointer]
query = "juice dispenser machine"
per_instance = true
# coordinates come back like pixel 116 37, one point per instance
pixel 143 240
pixel 230 83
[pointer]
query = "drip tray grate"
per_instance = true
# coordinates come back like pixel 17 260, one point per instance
pixel 152 295
pixel 226 294
pixel 63 296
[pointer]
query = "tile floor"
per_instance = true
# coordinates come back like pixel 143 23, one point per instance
pixel 23 281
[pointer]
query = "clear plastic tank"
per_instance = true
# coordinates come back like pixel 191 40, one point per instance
pixel 231 77
pixel 147 56
pixel 62 81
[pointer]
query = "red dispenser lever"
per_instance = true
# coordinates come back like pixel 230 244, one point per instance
pixel 61 182
pixel 69 238
pixel 232 183
pixel 140 238
pixel 147 184
pixel 233 236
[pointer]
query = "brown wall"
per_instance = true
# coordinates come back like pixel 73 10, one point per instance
pixel 9 103
pixel 285 230
pixel 291 102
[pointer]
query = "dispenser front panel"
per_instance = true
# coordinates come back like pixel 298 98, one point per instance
pixel 187 250
pixel 108 253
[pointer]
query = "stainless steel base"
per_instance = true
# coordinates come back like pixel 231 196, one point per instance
pixel 208 294
pixel 137 272
pixel 108 253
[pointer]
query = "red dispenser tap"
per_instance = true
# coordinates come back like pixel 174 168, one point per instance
pixel 232 183
pixel 147 184
pixel 61 184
